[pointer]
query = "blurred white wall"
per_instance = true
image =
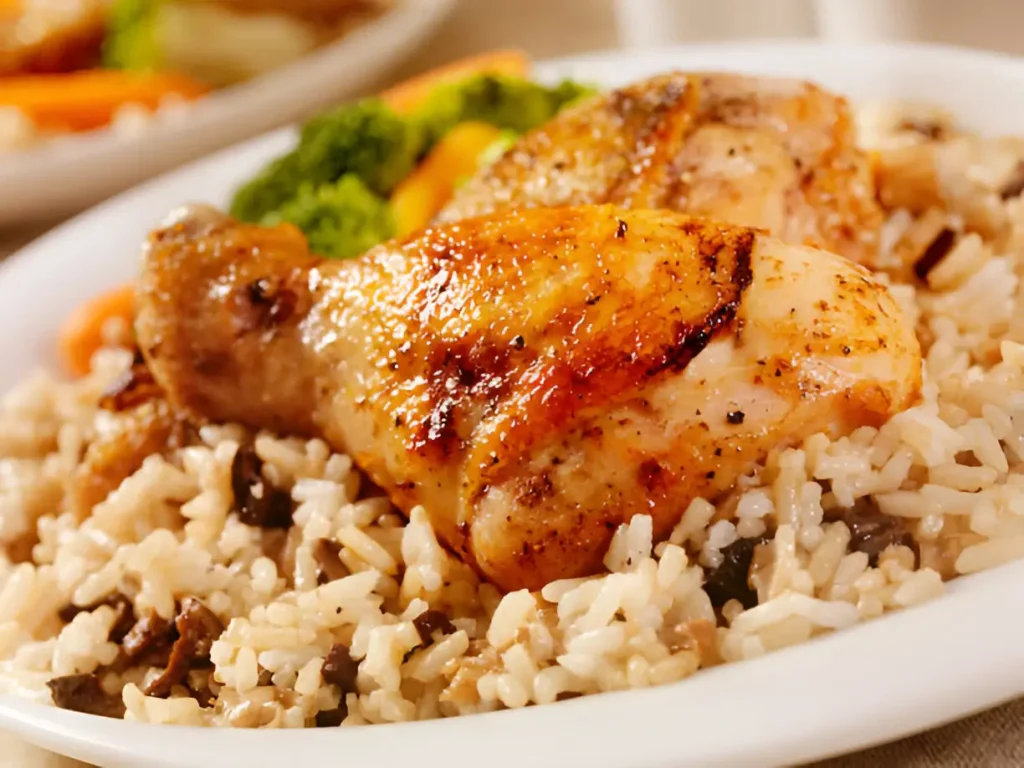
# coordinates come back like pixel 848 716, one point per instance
pixel 543 28
pixel 993 24
pixel 547 28
pixel 644 23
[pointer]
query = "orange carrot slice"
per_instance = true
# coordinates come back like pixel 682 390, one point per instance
pixel 82 332
pixel 408 95
pixel 82 101
pixel 425 191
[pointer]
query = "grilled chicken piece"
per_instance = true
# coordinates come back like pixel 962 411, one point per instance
pixel 139 422
pixel 535 378
pixel 762 152
pixel 119 452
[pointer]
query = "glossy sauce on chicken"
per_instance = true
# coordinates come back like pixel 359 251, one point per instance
pixel 533 378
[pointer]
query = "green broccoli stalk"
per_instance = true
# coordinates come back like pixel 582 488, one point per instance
pixel 505 102
pixel 341 220
pixel 492 153
pixel 366 139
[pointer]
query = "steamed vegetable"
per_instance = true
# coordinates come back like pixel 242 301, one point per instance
pixel 408 95
pixel 493 151
pixel 366 139
pixel 506 102
pixel 81 101
pixel 425 191
pixel 454 128
pixel 206 41
pixel 340 220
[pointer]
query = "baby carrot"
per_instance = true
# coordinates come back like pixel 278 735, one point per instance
pixel 81 101
pixel 82 332
pixel 407 95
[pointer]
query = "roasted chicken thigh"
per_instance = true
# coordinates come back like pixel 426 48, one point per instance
pixel 532 378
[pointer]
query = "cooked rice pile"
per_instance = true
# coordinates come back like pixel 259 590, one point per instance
pixel 354 614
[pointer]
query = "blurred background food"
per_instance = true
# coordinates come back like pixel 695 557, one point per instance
pixel 77 65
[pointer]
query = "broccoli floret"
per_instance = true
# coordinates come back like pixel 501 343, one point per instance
pixel 366 139
pixel 506 102
pixel 341 220
pixel 131 36
pixel 269 189
pixel 347 160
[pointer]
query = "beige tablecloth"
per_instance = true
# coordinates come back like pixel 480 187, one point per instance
pixel 560 27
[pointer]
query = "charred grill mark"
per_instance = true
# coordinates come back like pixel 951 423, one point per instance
pixel 535 490
pixel 743 274
pixel 607 368
pixel 689 341
pixel 662 117
pixel 651 475
pixel 262 304
pixel 440 425
pixel 461 373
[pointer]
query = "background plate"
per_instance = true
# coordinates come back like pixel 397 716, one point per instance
pixel 68 174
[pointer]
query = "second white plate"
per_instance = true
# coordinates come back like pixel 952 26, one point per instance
pixel 68 174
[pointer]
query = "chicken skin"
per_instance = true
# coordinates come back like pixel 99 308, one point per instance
pixel 757 151
pixel 532 378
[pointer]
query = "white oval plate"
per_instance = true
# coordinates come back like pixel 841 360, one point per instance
pixel 875 682
pixel 67 174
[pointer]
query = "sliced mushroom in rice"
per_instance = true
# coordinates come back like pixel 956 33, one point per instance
pixel 84 693
pixel 257 502
pixel 731 579
pixel 329 565
pixel 197 627
pixel 872 532
pixel 121 604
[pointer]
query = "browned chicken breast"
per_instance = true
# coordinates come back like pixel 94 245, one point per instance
pixel 762 152
pixel 532 378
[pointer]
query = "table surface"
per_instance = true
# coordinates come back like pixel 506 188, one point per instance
pixel 545 28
